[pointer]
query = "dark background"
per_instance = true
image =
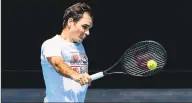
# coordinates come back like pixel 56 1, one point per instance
pixel 117 25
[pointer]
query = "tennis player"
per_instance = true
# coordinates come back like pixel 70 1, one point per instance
pixel 63 58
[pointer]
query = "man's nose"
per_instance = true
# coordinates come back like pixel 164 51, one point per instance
pixel 87 32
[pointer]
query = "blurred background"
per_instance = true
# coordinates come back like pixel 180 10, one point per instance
pixel 26 24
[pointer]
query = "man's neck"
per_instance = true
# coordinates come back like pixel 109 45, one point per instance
pixel 65 35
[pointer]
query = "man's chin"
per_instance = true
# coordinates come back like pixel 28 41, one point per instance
pixel 79 41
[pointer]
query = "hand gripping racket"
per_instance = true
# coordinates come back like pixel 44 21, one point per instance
pixel 135 58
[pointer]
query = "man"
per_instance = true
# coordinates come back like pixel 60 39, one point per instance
pixel 63 58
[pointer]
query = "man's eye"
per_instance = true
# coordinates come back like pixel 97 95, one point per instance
pixel 85 27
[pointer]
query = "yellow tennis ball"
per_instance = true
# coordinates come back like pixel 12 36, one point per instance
pixel 152 65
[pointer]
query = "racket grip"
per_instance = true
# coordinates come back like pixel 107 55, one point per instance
pixel 97 76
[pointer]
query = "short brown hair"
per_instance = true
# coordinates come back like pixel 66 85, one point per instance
pixel 76 12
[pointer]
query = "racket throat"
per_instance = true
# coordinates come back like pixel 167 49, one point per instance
pixel 105 72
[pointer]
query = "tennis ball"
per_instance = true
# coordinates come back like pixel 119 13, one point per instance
pixel 152 65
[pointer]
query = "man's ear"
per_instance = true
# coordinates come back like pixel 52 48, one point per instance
pixel 70 22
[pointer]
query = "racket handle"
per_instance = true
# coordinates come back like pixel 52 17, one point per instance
pixel 97 76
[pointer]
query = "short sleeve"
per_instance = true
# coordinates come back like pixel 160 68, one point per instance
pixel 51 49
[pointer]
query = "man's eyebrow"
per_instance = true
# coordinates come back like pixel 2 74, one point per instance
pixel 88 25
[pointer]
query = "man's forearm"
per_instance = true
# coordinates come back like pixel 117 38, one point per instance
pixel 62 67
pixel 65 69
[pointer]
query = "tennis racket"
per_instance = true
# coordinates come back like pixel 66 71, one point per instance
pixel 135 58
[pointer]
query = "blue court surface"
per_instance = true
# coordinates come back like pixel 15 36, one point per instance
pixel 105 95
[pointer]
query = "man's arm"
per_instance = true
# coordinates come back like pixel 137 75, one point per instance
pixel 61 67
pixel 64 69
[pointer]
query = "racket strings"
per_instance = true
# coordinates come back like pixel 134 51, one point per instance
pixel 135 59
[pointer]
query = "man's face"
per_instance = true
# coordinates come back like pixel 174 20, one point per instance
pixel 79 30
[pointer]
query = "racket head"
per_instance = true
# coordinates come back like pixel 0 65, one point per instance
pixel 134 60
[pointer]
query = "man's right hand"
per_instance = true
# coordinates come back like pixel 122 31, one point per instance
pixel 82 78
